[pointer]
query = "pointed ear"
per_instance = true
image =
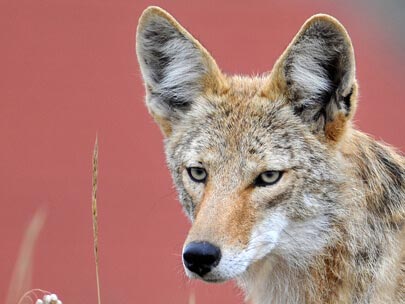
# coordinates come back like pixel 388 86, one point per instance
pixel 317 74
pixel 175 67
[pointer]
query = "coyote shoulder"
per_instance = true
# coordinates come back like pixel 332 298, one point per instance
pixel 284 195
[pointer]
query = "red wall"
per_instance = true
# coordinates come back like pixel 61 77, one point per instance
pixel 69 71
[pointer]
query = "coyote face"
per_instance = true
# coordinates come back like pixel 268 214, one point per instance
pixel 262 164
pixel 249 176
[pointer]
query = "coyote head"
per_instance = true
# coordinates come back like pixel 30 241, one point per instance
pixel 254 159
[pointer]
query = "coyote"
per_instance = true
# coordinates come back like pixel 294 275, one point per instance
pixel 284 195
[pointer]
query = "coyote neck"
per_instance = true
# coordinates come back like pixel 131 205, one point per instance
pixel 273 281
pixel 337 276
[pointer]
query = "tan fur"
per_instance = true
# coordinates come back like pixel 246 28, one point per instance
pixel 233 227
pixel 332 229
pixel 164 125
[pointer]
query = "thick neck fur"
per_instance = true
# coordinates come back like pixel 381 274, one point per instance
pixel 365 262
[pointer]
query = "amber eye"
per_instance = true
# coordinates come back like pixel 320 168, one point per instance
pixel 197 174
pixel 268 178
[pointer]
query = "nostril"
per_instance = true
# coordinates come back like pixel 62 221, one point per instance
pixel 201 257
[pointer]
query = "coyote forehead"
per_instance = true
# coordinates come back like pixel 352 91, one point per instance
pixel 280 189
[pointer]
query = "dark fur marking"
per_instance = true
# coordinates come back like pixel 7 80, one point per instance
pixel 389 201
pixel 334 74
pixel 298 109
pixel 347 102
pixel 158 65
pixel 282 197
pixel 369 255
pixel 394 170
pixel 173 102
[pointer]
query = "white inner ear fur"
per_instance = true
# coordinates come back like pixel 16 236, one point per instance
pixel 172 65
pixel 307 71
pixel 319 68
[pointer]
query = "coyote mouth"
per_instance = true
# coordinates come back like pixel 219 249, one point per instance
pixel 214 277
pixel 214 281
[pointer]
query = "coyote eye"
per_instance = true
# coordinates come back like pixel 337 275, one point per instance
pixel 197 174
pixel 268 178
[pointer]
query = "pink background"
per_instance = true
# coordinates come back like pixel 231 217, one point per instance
pixel 69 71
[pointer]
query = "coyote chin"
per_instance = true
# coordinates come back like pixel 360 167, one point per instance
pixel 284 195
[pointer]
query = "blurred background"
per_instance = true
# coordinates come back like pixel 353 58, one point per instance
pixel 69 71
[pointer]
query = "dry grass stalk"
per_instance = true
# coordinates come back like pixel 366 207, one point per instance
pixel 22 273
pixel 191 299
pixel 94 209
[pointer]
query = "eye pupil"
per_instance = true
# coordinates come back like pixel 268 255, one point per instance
pixel 197 174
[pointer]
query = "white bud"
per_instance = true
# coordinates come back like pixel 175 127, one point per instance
pixel 39 302
pixel 47 299
pixel 54 297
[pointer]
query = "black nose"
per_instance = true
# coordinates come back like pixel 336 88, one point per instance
pixel 201 257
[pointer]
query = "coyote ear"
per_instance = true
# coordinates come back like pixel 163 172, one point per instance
pixel 317 73
pixel 175 67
